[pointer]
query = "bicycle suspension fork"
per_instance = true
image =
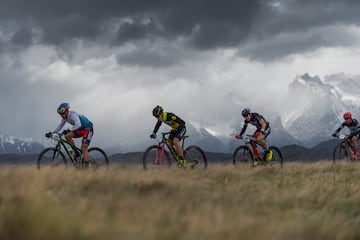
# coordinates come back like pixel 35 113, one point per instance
pixel 160 154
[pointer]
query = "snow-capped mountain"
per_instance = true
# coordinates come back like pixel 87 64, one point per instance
pixel 313 107
pixel 308 115
pixel 16 145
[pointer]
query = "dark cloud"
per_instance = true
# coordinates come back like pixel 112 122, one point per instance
pixel 206 24
pixel 84 19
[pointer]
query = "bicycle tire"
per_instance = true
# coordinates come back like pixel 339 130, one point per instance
pixel 243 157
pixel 340 154
pixel 51 157
pixel 277 157
pixel 98 158
pixel 196 156
pixel 152 160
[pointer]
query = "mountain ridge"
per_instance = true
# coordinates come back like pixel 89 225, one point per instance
pixel 308 115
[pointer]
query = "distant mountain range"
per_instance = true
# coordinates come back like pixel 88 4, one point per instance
pixel 313 107
pixel 310 111
pixel 291 153
pixel 18 145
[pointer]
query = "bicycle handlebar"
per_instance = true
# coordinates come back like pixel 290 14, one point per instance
pixel 341 136
pixel 247 137
pixel 56 136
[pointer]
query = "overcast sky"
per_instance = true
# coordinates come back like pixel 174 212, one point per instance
pixel 201 59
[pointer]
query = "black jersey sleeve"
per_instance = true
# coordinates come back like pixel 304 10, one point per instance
pixel 157 126
pixel 243 128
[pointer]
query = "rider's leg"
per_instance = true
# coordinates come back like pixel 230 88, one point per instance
pixel 178 147
pixel 355 147
pixel 84 150
pixel 261 140
pixel 69 137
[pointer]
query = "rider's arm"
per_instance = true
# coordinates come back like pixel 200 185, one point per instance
pixel 243 128
pixel 262 124
pixel 157 126
pixel 74 118
pixel 339 128
pixel 59 126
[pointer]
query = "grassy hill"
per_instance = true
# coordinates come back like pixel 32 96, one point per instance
pixel 300 201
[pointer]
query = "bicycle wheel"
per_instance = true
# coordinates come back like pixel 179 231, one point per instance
pixel 51 157
pixel 154 157
pixel 340 154
pixel 277 158
pixel 195 157
pixel 98 158
pixel 243 157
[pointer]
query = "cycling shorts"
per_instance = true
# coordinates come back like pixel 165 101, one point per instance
pixel 86 134
pixel 177 133
pixel 267 132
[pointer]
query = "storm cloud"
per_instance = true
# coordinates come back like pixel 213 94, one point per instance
pixel 204 60
pixel 203 24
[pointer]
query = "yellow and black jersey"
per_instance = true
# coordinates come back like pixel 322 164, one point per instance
pixel 170 119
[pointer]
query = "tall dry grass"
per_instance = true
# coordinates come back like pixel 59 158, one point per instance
pixel 300 201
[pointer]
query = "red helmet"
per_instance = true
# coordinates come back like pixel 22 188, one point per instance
pixel 347 115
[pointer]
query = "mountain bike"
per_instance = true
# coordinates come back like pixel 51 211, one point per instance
pixel 245 155
pixel 56 157
pixel 343 152
pixel 156 156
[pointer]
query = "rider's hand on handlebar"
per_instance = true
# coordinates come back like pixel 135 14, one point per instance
pixel 48 135
pixel 238 136
pixel 153 135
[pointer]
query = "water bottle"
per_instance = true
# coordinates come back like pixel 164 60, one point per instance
pixel 71 151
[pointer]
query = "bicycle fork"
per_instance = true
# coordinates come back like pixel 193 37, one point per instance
pixel 159 155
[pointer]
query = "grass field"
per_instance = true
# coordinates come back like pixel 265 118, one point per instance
pixel 301 201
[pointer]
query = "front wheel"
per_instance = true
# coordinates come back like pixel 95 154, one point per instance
pixel 156 157
pixel 51 157
pixel 341 154
pixel 195 157
pixel 98 158
pixel 243 157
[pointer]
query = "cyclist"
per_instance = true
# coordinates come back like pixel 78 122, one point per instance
pixel 354 135
pixel 82 127
pixel 178 129
pixel 262 130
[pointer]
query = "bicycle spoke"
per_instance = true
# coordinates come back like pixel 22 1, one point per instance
pixel 50 157
pixel 195 158
pixel 98 158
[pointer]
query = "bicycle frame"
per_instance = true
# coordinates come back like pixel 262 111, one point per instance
pixel 61 142
pixel 166 141
pixel 347 145
pixel 194 156
pixel 252 145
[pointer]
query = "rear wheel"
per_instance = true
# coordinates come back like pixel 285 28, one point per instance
pixel 195 157
pixel 51 157
pixel 98 158
pixel 243 157
pixel 156 157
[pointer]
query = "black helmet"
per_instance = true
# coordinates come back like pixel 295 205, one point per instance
pixel 157 111
pixel 245 112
